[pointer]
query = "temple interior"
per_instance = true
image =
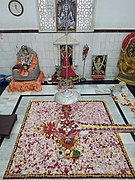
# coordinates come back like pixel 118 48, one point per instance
pixel 67 89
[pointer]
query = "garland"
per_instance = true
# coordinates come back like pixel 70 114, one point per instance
pixel 109 127
pixel 127 102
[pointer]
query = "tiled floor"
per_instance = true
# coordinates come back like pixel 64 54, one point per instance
pixel 8 101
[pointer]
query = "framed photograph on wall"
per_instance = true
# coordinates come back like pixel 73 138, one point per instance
pixel 66 15
pixel 98 66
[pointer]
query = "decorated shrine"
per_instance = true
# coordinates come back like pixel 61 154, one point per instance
pixel 126 62
pixel 26 73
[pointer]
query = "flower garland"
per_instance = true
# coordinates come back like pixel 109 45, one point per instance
pixel 109 127
pixel 126 103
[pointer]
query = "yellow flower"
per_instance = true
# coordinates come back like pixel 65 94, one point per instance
pixel 76 143
pixel 63 148
pixel 72 148
pixel 47 135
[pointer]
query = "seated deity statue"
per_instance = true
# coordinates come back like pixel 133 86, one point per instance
pixel 27 66
pixel 126 61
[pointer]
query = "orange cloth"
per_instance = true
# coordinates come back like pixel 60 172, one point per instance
pixel 34 62
pixel 27 85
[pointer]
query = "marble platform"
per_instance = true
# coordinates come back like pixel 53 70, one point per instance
pixel 17 102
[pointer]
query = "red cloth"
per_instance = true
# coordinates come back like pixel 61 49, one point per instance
pixel 98 77
pixel 127 39
pixel 67 71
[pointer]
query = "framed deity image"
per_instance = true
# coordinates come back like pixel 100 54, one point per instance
pixel 99 65
pixel 66 15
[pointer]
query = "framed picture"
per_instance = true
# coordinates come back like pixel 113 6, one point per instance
pixel 99 65
pixel 66 15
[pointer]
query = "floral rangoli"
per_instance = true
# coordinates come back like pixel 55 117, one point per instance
pixel 60 141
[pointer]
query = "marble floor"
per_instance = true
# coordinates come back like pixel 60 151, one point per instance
pixel 17 102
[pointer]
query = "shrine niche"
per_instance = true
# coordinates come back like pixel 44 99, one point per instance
pixel 65 67
pixel 126 61
pixel 66 15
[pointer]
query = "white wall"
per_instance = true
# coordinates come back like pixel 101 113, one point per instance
pixel 115 14
pixel 28 20
pixel 99 44
pixel 109 14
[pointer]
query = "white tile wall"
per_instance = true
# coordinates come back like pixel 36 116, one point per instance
pixel 42 43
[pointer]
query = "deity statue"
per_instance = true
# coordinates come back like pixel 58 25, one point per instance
pixel 27 67
pixel 67 71
pixel 126 61
pixel 26 74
